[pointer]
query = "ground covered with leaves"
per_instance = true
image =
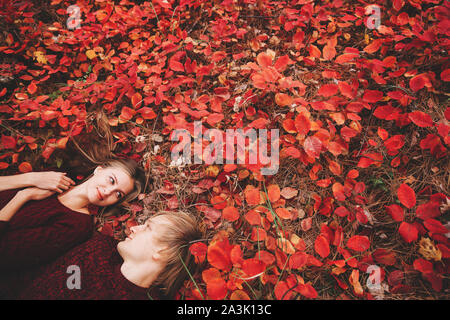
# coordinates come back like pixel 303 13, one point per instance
pixel 359 205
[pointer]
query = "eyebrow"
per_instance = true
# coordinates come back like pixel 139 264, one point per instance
pixel 117 181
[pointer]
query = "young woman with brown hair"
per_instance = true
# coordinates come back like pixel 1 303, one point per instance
pixel 44 214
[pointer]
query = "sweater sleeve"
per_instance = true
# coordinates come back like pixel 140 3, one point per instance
pixel 27 247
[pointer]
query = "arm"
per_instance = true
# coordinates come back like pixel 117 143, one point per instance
pixel 20 198
pixel 16 181
pixel 49 180
pixel 8 211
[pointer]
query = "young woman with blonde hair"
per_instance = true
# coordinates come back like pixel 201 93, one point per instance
pixel 155 254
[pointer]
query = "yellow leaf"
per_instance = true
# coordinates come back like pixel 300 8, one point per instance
pixel 40 57
pixel 91 54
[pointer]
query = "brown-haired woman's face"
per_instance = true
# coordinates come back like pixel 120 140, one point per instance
pixel 108 185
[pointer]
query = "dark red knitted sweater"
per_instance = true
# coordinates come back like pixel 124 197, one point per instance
pixel 39 232
pixel 100 278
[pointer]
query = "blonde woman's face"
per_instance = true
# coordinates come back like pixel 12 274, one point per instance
pixel 142 243
pixel 108 185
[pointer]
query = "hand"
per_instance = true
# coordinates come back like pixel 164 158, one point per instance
pixel 51 180
pixel 34 193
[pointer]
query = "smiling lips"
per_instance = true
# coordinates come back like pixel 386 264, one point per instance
pixel 99 195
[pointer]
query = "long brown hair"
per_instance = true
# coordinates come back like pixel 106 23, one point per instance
pixel 182 231
pixel 97 148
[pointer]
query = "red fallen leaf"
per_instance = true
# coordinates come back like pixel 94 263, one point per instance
pixel 264 60
pixel 218 254
pixel 322 246
pixel 127 114
pixel 382 133
pixel 298 260
pixel 418 82
pixel 421 119
pixel 230 214
pixel 406 195
pixel 283 99
pixel 3 165
pixel 312 146
pixel 214 118
pixel 358 243
pixel 32 88
pixel 283 213
pixel 396 212
pixel 282 62
pixel 342 211
pixel 423 266
pixel 282 291
pixel 25 167
pixel 302 124
pixel 147 113
pixel 289 126
pixel 428 210
pixel 289 193
pixel 306 224
pixel 253 267
pixel 444 250
pixel 239 295
pixel 374 46
pixel 346 57
pixel 236 256
pixel 445 75
pixel 372 96
pixel 198 250
pixel 329 52
pixel 258 234
pixel 328 90
pixel 273 191
pixel 408 232
pixel 435 226
pixel 346 90
pixel 252 195
pixel 218 202
pixel 338 191
pixel 216 288
pixel 8 142
pixel 307 291
pixel 384 256
pixel 253 217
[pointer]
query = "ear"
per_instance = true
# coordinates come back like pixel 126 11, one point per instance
pixel 158 256
pixel 97 169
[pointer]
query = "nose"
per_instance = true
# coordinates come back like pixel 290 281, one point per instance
pixel 135 229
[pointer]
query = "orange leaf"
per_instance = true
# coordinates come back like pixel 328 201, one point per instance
pixel 25 167
pixel 283 99
pixel 283 213
pixel 230 214
pixel 328 90
pixel 273 192
pixel 216 289
pixel 252 195
pixel 285 245
pixel 253 217
pixel 239 295
pixel 302 124
pixel 264 60
pixel 32 88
